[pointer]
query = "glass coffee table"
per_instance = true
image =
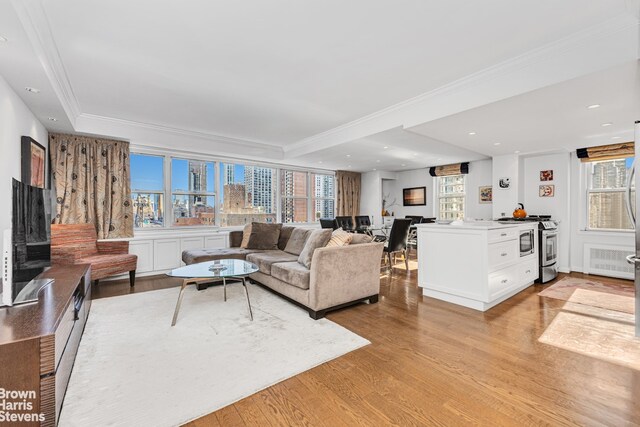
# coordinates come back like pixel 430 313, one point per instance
pixel 212 271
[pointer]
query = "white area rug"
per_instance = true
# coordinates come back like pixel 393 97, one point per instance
pixel 133 368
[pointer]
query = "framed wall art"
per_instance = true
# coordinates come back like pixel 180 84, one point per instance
pixel 416 196
pixel 34 158
pixel 547 190
pixel 546 175
pixel 485 194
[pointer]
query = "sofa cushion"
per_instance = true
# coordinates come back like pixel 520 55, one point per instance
pixel 264 236
pixel 246 233
pixel 193 256
pixel 292 273
pixel 340 237
pixel 285 234
pixel 357 239
pixel 264 260
pixel 296 242
pixel 317 239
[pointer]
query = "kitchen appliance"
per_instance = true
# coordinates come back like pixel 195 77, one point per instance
pixel 548 253
pixel 547 244
pixel 635 257
pixel 519 212
pixel 527 239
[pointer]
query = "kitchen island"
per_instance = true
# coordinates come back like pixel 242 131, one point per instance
pixel 476 264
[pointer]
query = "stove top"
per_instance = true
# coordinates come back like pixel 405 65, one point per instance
pixel 544 221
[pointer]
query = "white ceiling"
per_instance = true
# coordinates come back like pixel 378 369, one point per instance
pixel 553 118
pixel 256 79
pixel 391 150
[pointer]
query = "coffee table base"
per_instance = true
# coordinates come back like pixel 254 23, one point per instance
pixel 198 281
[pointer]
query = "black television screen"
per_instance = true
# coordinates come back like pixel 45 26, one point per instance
pixel 30 239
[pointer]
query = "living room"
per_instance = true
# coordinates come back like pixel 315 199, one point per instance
pixel 319 214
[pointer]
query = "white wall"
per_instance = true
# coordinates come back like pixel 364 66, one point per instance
pixel 505 200
pixel 480 175
pixel 16 121
pixel 557 206
pixel 408 179
pixel 371 193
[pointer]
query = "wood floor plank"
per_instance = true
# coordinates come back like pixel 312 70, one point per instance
pixel 434 363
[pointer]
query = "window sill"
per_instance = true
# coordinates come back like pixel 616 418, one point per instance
pixel 607 233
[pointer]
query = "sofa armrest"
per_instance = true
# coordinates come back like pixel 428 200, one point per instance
pixel 118 247
pixel 343 274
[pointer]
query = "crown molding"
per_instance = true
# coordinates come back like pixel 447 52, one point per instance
pixel 155 134
pixel 34 20
pixel 577 54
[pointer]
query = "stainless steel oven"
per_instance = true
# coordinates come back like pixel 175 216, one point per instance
pixel 527 242
pixel 548 251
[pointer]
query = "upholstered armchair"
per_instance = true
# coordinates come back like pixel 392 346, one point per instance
pixel 78 244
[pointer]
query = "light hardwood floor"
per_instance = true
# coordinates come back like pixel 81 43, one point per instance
pixel 434 363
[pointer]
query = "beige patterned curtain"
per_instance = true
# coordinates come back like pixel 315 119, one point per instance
pixel 92 183
pixel 348 184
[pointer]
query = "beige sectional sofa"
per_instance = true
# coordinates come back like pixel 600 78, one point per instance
pixel 338 275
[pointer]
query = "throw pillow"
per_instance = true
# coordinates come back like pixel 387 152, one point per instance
pixel 296 242
pixel 340 237
pixel 264 236
pixel 317 239
pixel 285 234
pixel 246 233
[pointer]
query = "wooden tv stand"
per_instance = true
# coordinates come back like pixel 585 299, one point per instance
pixel 39 342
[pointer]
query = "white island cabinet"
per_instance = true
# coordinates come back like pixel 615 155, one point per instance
pixel 475 264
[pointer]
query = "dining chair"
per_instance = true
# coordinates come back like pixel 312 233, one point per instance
pixel 397 241
pixel 345 222
pixel 328 223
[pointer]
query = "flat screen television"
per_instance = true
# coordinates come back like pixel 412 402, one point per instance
pixel 27 245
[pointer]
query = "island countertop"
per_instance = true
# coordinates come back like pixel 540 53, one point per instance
pixel 471 225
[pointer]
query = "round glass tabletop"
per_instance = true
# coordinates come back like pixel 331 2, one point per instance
pixel 218 268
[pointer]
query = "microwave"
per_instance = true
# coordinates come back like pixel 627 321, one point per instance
pixel 527 242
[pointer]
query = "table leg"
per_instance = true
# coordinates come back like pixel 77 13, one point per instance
pixel 175 313
pixel 246 291
pixel 224 288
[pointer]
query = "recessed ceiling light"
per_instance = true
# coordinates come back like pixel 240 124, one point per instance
pixel 53 119
pixel 415 154
pixel 349 166
pixel 377 161
pixel 348 155
pixel 32 89
pixel 320 161
pixel 3 39
pixel 439 159
pixel 385 147
pixel 472 133
pixel 496 143
pixel 517 151
pixel 593 106
pixel 616 137
pixel 604 125
pixel 403 164
pixel 375 169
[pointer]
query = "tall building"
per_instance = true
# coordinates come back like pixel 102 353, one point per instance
pixel 294 192
pixel 258 183
pixel 323 186
pixel 197 175
pixel 228 174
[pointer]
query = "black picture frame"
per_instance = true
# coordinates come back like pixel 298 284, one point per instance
pixel 414 196
pixel 33 163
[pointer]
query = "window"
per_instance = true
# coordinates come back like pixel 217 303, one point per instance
pixel 294 196
pixel 451 194
pixel 606 194
pixel 323 196
pixel 192 192
pixel 147 190
pixel 248 194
